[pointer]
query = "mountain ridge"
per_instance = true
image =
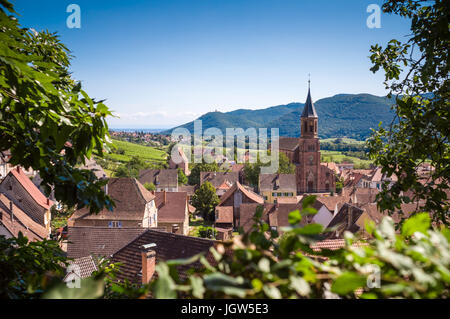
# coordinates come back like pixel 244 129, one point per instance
pixel 341 115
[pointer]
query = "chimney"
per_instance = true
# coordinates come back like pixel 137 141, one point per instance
pixel 48 202
pixel 349 216
pixel 18 169
pixel 165 197
pixel 148 254
pixel 106 189
pixel 11 209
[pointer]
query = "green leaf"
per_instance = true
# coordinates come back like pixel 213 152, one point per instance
pixel 417 223
pixel 90 288
pixel 197 287
pixel 348 282
pixel 294 217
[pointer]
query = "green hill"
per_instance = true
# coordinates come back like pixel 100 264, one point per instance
pixel 343 115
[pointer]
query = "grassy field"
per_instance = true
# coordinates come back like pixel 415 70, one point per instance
pixel 338 157
pixel 147 153
pixel 343 139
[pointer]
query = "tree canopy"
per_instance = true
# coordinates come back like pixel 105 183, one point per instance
pixel 47 121
pixel 417 75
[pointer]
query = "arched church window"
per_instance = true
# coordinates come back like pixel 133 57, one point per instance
pixel 311 159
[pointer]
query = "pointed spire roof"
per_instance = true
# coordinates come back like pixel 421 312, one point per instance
pixel 309 110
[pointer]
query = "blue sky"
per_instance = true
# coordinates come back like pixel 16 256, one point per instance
pixel 164 63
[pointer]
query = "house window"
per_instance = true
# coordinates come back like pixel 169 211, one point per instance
pixel 279 194
pixel 274 194
pixel 265 197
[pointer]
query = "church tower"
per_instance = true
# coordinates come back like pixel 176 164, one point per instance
pixel 308 168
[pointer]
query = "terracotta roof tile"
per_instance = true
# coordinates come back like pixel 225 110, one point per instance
pixel 288 143
pixel 218 178
pixel 251 195
pixel 271 182
pixel 25 181
pixel 161 178
pixel 171 206
pixel 20 222
pixel 224 214
pixel 99 241
pixel 129 196
pixel 168 246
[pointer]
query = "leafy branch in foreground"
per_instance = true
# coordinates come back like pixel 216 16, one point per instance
pixel 46 120
pixel 416 73
pixel 261 264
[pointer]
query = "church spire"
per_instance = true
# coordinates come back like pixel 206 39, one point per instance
pixel 309 110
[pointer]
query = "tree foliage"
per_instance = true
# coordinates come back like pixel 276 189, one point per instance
pixel 46 120
pixel 27 268
pixel 261 264
pixel 194 177
pixel 205 200
pixel 416 73
pixel 182 179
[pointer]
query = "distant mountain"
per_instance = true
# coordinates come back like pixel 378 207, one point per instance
pixel 343 115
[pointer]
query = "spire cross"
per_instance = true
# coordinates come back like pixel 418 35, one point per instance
pixel 309 80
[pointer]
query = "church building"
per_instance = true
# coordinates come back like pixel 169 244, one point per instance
pixel 311 175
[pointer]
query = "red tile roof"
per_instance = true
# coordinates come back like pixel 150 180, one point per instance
pixel 99 241
pixel 171 206
pixel 168 247
pixel 224 214
pixel 218 178
pixel 35 193
pixel 334 244
pixel 251 195
pixel 20 222
pixel 130 198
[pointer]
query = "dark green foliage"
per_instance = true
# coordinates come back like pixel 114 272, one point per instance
pixel 207 232
pixel 260 264
pixel 205 201
pixel 422 108
pixel 194 178
pixel 29 268
pixel 182 179
pixel 42 109
pixel 132 168
pixel 150 186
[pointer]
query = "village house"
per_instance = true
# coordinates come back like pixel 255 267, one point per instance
pixel 183 162
pixel 92 165
pixel 276 215
pixel 14 220
pixel 222 181
pixel 173 212
pixel 238 195
pixel 275 186
pixel 224 217
pixel 163 179
pixel 23 194
pixel 134 207
pixel 347 219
